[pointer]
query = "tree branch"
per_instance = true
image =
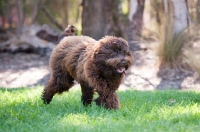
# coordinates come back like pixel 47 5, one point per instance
pixel 51 18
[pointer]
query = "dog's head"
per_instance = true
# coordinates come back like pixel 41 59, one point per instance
pixel 112 56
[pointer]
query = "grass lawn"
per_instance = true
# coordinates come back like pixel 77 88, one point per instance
pixel 21 110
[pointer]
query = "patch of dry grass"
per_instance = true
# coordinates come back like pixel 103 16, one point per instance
pixel 193 60
pixel 170 47
pixel 177 49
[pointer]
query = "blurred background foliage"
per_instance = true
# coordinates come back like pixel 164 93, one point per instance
pixel 66 12
pixel 63 11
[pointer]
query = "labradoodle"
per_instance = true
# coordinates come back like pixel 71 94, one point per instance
pixel 99 66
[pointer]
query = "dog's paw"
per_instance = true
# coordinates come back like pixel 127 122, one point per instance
pixel 45 100
pixel 99 102
pixel 107 104
pixel 86 102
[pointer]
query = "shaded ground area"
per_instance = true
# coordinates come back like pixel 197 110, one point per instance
pixel 23 69
pixel 146 73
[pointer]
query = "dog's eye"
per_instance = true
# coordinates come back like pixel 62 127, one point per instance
pixel 114 53
pixel 127 53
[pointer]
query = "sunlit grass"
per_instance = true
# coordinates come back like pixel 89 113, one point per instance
pixel 22 110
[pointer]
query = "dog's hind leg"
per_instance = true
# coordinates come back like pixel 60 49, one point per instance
pixel 87 93
pixel 58 82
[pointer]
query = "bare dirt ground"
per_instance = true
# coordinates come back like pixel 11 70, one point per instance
pixel 21 70
pixel 146 74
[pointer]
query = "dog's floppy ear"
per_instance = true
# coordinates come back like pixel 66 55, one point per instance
pixel 96 48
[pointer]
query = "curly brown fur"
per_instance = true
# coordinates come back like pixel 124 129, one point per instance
pixel 98 66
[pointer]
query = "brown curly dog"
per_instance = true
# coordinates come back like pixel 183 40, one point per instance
pixel 99 66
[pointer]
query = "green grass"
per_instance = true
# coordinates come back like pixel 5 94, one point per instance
pixel 21 110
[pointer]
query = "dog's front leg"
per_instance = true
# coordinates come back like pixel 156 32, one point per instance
pixel 108 99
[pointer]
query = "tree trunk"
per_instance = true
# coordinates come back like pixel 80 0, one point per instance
pixel 100 18
pixel 198 11
pixel 135 18
pixel 2 18
pixel 34 10
pixel 181 15
pixel 65 10
pixel 20 15
pixel 51 18
pixel 8 16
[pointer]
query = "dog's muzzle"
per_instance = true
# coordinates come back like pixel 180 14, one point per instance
pixel 123 66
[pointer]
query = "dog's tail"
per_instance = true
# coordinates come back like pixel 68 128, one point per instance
pixel 69 31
